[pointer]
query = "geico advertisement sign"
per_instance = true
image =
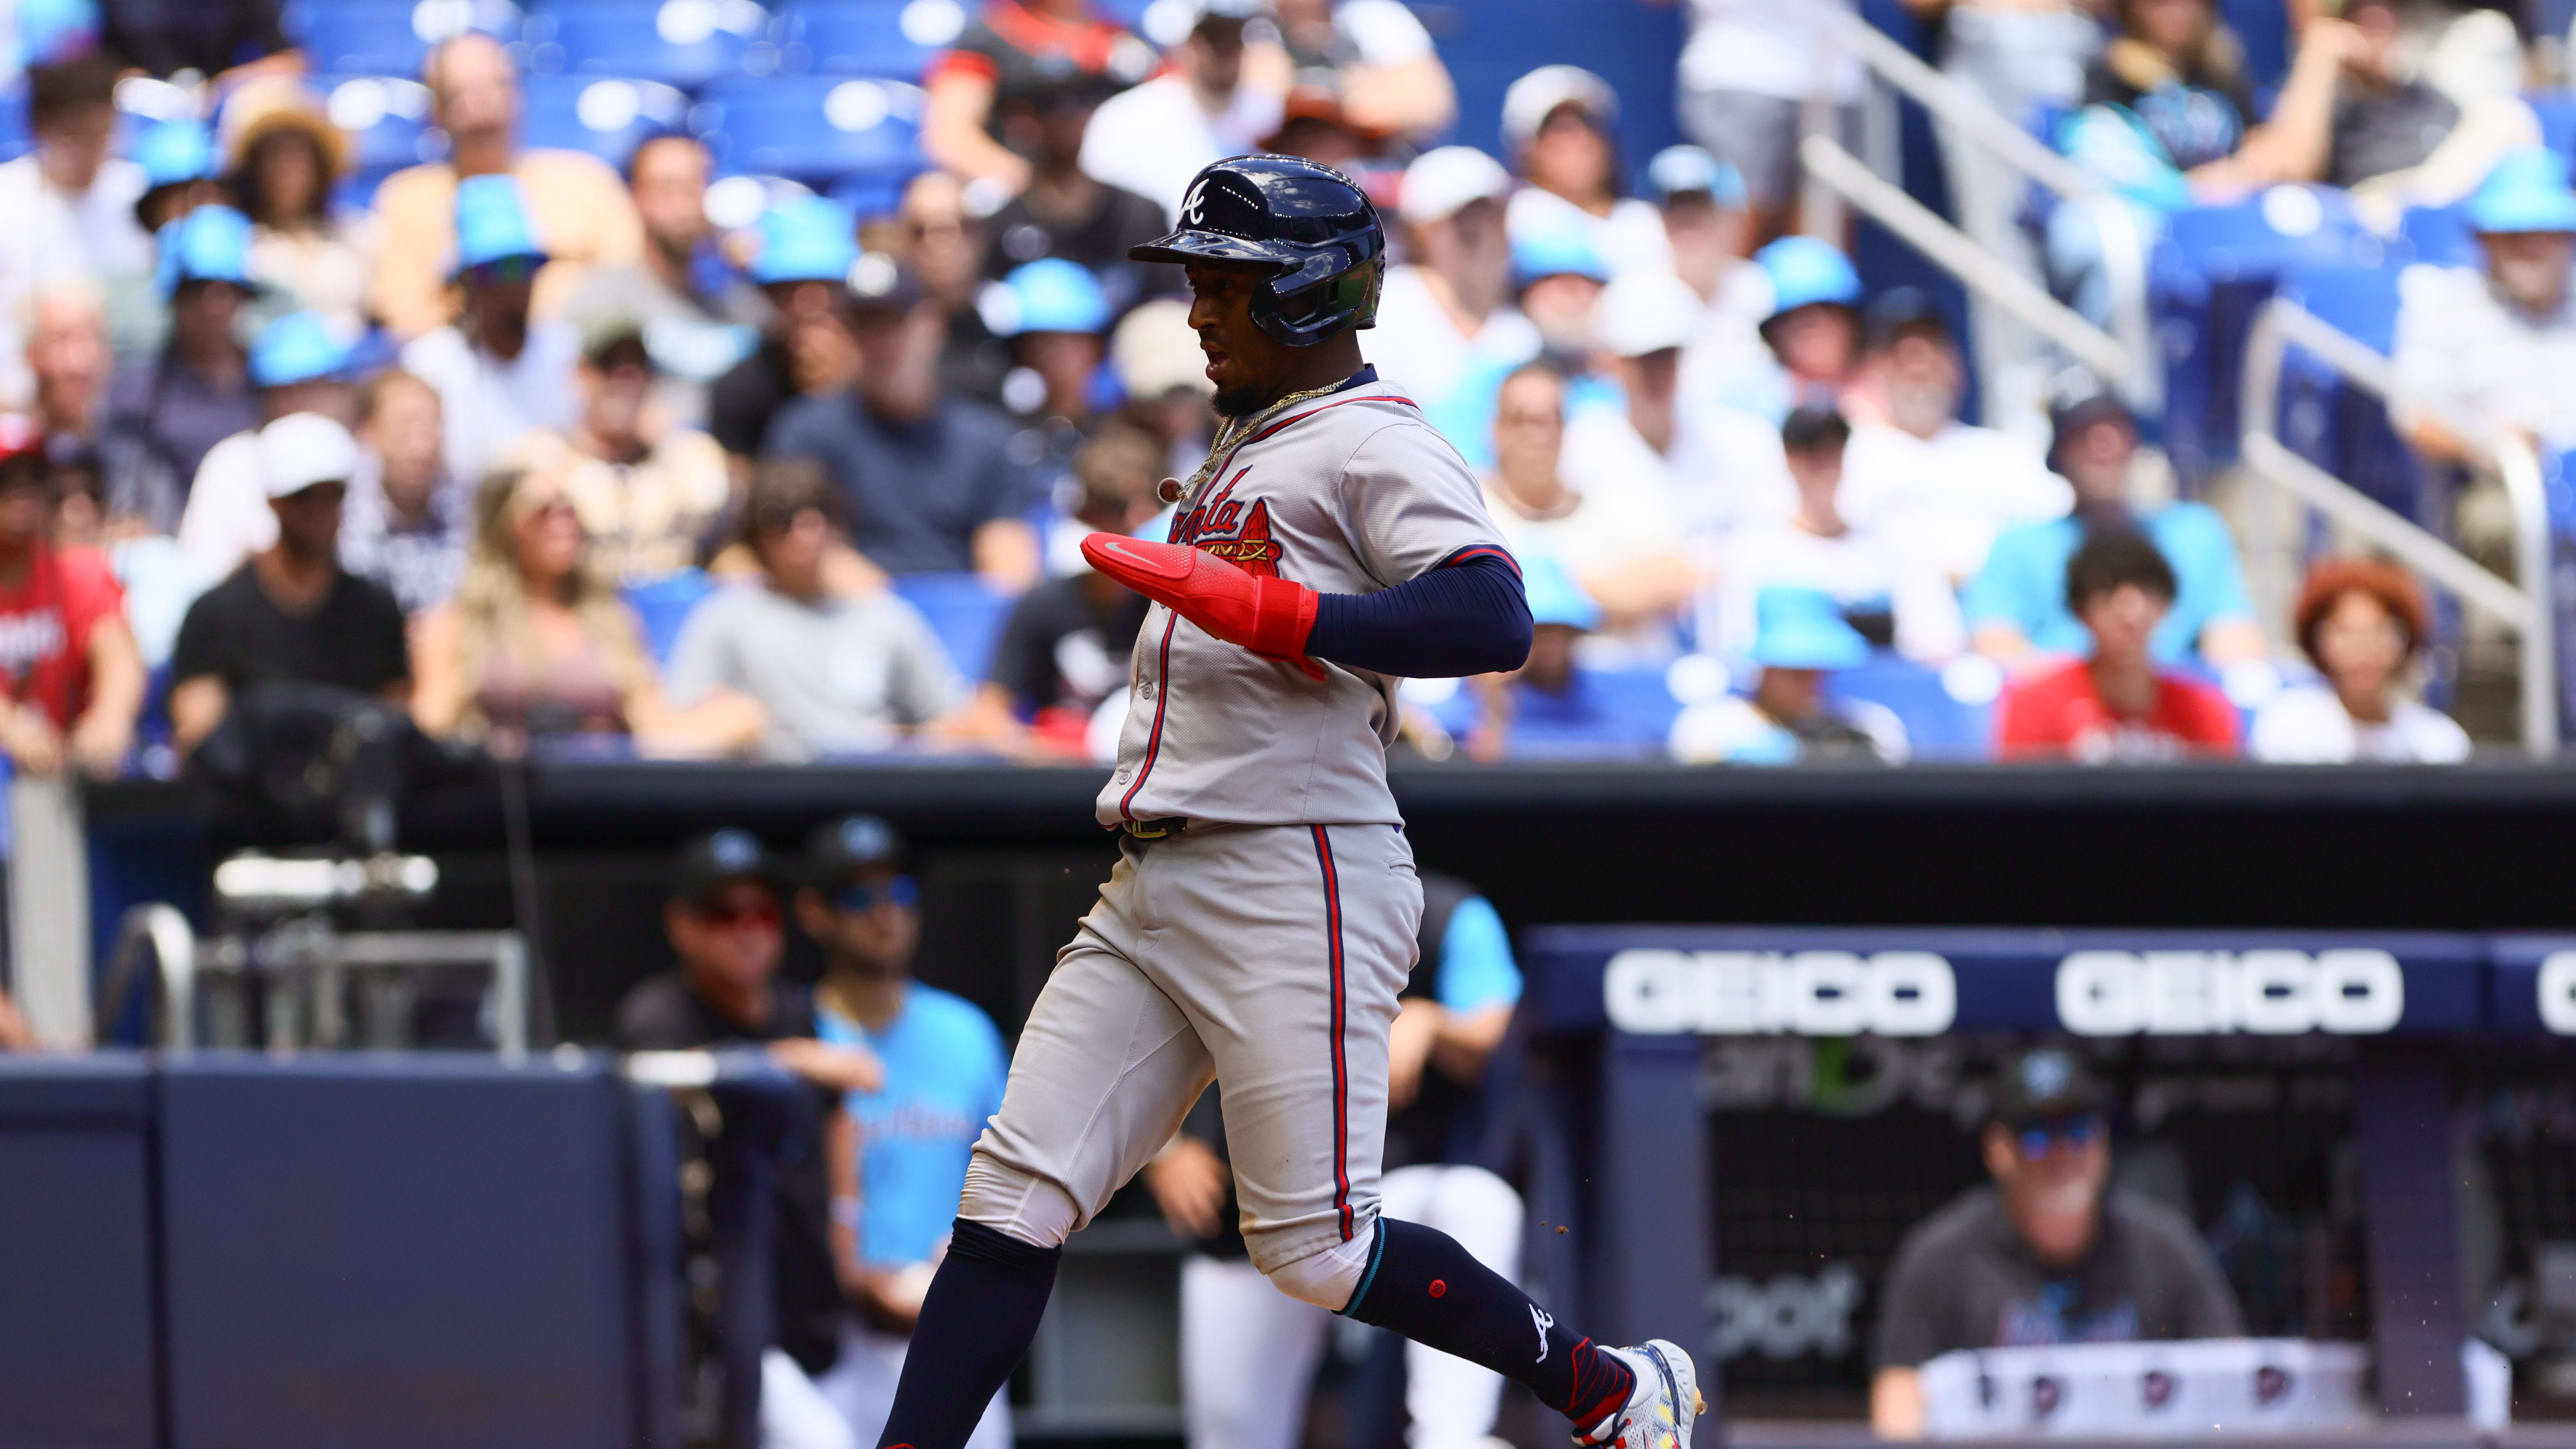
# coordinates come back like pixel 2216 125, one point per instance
pixel 2209 993
pixel 1662 992
pixel 1754 993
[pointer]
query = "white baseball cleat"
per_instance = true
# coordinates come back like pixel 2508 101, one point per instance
pixel 1660 1410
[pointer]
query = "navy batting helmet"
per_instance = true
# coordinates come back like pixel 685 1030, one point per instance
pixel 1308 221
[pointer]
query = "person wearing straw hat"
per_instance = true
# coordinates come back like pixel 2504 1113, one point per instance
pixel 1800 639
pixel 501 374
pixel 2498 342
pixel 282 156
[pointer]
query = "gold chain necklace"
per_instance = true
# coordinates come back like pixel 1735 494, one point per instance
pixel 1232 434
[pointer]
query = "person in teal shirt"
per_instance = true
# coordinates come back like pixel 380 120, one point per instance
pixel 2016 605
pixel 902 1161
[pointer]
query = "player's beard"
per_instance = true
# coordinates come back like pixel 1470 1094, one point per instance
pixel 1242 402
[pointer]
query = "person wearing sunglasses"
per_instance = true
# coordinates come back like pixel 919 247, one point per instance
pixel 900 1160
pixel 2047 1253
pixel 501 374
pixel 725 927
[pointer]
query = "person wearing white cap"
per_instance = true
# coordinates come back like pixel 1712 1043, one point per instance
pixel 1717 468
pixel 1226 87
pixel 1450 309
pixel 1559 125
pixel 291 614
pixel 1747 73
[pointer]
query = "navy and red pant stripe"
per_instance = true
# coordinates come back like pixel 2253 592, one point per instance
pixel 1341 1021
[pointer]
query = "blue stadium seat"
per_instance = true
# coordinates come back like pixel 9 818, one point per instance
pixel 603 115
pixel 891 38
pixel 686 43
pixel 389 37
pixel 964 611
pixel 1937 726
pixel 16 136
pixel 2557 113
pixel 2344 429
pixel 662 605
pixel 387 121
pixel 817 129
pixel 2440 235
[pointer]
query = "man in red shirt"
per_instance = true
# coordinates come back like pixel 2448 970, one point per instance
pixel 71 679
pixel 2115 707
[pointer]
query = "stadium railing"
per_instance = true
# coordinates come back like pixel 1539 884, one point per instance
pixel 2525 606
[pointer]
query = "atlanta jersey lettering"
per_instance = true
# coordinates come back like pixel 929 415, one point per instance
pixel 1349 493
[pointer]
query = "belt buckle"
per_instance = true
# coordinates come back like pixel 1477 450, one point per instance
pixel 1152 829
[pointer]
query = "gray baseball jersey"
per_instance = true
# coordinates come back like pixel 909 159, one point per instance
pixel 1349 493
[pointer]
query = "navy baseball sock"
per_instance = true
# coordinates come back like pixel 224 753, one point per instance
pixel 1421 1284
pixel 975 1326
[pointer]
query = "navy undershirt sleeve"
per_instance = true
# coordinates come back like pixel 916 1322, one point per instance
pixel 1468 617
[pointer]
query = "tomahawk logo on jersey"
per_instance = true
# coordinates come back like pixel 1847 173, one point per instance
pixel 1224 527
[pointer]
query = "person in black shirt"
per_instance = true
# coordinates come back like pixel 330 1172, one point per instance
pixel 1064 647
pixel 2175 66
pixel 2044 1255
pixel 1065 213
pixel 291 614
pixel 725 925
pixel 807 247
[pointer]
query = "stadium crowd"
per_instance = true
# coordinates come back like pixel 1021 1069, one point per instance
pixel 577 449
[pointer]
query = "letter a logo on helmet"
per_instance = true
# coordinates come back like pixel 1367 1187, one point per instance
pixel 1308 225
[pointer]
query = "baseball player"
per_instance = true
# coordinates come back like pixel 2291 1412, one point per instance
pixel 1260 922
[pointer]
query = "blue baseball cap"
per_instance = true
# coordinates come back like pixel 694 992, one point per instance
pixel 492 222
pixel 1554 596
pixel 1554 251
pixel 298 347
pixel 2526 192
pixel 209 244
pixel 174 152
pixel 1050 294
pixel 1803 629
pixel 1805 271
pixel 806 239
pixel 1685 170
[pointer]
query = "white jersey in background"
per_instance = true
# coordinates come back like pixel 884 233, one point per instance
pixel 1152 138
pixel 1418 347
pixel 1766 47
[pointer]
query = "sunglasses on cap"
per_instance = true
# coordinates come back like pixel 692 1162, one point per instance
pixel 859 895
pixel 504 272
pixel 2077 1133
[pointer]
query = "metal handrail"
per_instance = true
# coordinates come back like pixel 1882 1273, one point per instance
pixel 2525 607
pixel 173 943
pixel 2124 244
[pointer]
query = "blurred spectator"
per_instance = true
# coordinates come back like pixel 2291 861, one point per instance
pixel 1066 213
pixel 723 922
pixel 2016 603
pixel 900 1158
pixel 2499 345
pixel 1715 469
pixel 575 199
pixel 1555 706
pixel 1055 314
pixel 296 366
pixel 1559 127
pixel 1799 638
pixel 932 481
pixel 1449 311
pixel 2050 1253
pixel 501 374
pixel 74 174
pixel 807 247
pixel 536 643
pixel 2387 119
pixel 1620 540
pixel 834 672
pixel 408 522
pixel 180 173
pixel 2115 707
pixel 1812 326
pixel 222 40
pixel 1747 72
pixel 2177 70
pixel 1380 59
pixel 1557 279
pixel 1015 53
pixel 40 250
pixel 291 614
pixel 1315 126
pixel 945 245
pixel 1155 353
pixel 1916 473
pixel 1709 228
pixel 648 491
pixel 74 679
pixel 1248 1351
pixel 69 360
pixel 285 157
pixel 14 1035
pixel 2360 621
pixel 165 411
pixel 1893 595
pixel 1220 95
pixel 1065 646
pixel 698 315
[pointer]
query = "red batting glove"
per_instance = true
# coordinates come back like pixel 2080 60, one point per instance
pixel 1269 616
